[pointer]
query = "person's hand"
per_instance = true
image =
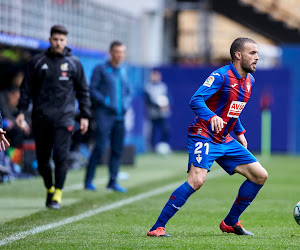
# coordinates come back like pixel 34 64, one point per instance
pixel 84 125
pixel 22 124
pixel 20 119
pixel 3 141
pixel 242 139
pixel 217 124
pixel 26 128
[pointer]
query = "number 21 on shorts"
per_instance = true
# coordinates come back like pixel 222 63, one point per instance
pixel 198 151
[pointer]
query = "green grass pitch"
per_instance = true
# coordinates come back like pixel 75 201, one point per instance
pixel 101 220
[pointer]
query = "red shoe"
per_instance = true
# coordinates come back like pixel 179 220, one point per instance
pixel 158 232
pixel 236 229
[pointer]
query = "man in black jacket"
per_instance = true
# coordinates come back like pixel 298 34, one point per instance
pixel 52 80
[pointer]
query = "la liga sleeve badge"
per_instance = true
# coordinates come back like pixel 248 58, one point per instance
pixel 209 81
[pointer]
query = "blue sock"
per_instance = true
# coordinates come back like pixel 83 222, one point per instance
pixel 246 195
pixel 176 201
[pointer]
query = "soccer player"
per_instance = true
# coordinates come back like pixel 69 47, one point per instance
pixel 3 141
pixel 218 104
pixel 53 80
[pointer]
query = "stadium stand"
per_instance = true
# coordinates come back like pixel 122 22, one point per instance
pixel 92 25
pixel 277 20
pixel 285 11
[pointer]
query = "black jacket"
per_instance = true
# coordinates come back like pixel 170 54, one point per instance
pixel 53 81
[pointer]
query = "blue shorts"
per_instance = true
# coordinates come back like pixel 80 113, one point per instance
pixel 203 153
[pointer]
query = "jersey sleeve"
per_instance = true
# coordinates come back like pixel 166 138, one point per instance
pixel 82 92
pixel 211 85
pixel 238 128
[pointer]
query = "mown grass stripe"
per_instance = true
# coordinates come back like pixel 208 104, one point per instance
pixel 80 186
pixel 92 212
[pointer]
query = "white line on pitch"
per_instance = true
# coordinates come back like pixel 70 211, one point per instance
pixel 92 212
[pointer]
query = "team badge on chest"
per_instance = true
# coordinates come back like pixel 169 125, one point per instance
pixel 64 67
pixel 248 86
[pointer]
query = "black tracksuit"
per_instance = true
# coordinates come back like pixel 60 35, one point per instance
pixel 52 82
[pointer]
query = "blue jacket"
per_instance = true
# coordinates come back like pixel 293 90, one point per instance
pixel 110 89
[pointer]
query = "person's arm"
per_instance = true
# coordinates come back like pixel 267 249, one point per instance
pixel 211 85
pixel 242 139
pixel 25 95
pixel 130 94
pixel 82 93
pixel 22 124
pixel 96 96
pixel 83 97
pixel 239 130
pixel 26 87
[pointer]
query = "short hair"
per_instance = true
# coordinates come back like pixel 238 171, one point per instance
pixel 59 29
pixel 114 44
pixel 238 45
pixel 155 71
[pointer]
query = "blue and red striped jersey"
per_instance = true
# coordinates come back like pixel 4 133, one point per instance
pixel 224 93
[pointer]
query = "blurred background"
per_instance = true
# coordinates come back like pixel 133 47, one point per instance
pixel 185 40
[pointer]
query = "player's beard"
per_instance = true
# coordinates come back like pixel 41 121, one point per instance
pixel 58 50
pixel 246 66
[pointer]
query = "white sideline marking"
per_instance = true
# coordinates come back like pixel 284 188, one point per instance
pixel 92 212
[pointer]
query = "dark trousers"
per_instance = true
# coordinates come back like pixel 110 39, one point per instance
pixel 159 126
pixel 47 139
pixel 108 127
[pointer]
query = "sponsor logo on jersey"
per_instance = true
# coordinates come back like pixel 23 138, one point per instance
pixel 44 66
pixel 233 85
pixel 199 158
pixel 209 81
pixel 216 74
pixel 199 131
pixel 64 76
pixel 64 67
pixel 236 109
pixel 70 128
